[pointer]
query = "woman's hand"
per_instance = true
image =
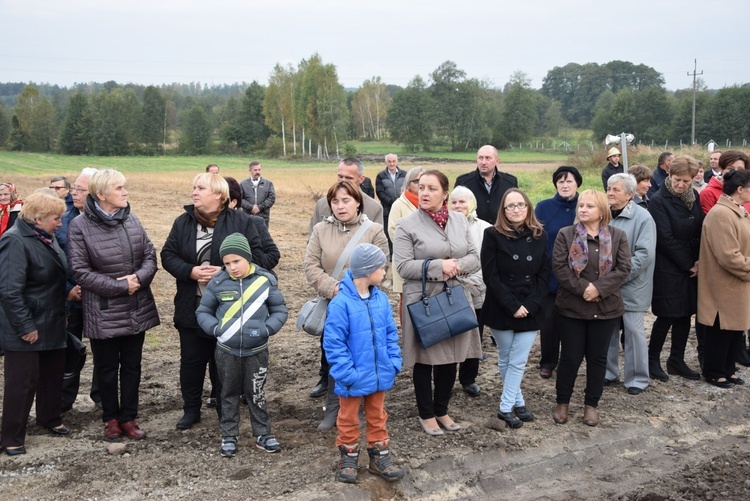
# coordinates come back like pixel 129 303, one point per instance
pixel 203 274
pixel 521 313
pixel 591 293
pixel 133 283
pixel 450 268
pixel 694 270
pixel 31 337
pixel 74 294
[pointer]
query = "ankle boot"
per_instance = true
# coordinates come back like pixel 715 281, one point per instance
pixel 654 369
pixel 346 471
pixel 561 413
pixel 381 463
pixel 680 368
pixel 331 408
pixel 590 416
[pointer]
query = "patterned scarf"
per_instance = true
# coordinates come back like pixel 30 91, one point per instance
pixel 440 217
pixel 578 256
pixel 6 209
pixel 687 197
pixel 43 236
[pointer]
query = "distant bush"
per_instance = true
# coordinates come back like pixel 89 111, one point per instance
pixel 274 147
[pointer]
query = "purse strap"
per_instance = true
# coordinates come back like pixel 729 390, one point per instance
pixel 350 248
pixel 425 265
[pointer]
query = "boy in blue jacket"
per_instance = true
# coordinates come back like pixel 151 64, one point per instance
pixel 361 345
pixel 242 306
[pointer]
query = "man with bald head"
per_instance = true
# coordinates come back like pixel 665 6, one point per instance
pixel 487 183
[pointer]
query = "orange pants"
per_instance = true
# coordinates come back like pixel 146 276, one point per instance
pixel 348 419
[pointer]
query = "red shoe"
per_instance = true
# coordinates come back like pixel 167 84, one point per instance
pixel 132 430
pixel 112 429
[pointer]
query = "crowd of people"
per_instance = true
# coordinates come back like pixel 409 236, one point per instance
pixel 581 268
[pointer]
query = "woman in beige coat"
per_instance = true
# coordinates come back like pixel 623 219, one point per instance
pixel 434 232
pixel 327 242
pixel 724 280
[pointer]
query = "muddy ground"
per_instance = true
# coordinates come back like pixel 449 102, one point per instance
pixel 677 440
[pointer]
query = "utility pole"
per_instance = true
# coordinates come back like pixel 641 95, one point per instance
pixel 694 74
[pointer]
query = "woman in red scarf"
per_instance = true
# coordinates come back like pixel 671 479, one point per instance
pixel 10 206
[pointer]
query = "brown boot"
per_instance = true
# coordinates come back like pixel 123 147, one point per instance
pixel 590 416
pixel 561 413
pixel 346 471
pixel 381 463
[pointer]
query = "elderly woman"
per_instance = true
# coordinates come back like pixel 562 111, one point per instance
pixel 328 241
pixel 191 255
pixel 554 214
pixel 642 175
pixel 114 262
pixel 32 320
pixel 724 295
pixel 640 231
pixel 403 206
pixel 677 213
pixel 444 236
pixel 462 200
pixel 591 261
pixel 516 269
pixel 10 206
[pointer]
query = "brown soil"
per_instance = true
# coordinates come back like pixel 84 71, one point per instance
pixel 677 440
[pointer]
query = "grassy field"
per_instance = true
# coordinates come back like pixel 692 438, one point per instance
pixel 513 156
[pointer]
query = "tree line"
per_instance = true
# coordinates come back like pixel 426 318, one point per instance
pixel 304 110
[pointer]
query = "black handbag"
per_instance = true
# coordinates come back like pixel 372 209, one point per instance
pixel 442 316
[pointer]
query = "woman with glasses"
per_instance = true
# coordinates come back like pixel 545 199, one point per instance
pixel 591 261
pixel 515 268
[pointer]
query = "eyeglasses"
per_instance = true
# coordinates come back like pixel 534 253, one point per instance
pixel 512 207
pixel 414 181
pixel 57 188
pixel 79 190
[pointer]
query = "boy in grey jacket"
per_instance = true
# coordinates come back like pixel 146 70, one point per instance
pixel 242 306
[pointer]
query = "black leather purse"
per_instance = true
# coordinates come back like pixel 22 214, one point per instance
pixel 442 316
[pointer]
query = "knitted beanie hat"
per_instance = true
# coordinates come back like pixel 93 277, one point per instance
pixel 365 259
pixel 236 243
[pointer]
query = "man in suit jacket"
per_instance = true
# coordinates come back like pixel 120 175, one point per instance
pixel 388 185
pixel 258 195
pixel 487 183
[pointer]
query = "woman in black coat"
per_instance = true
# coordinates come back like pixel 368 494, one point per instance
pixel 191 255
pixel 516 269
pixel 33 269
pixel 676 210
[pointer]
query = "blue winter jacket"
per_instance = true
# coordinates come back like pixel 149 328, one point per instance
pixel 555 214
pixel 242 313
pixel 361 341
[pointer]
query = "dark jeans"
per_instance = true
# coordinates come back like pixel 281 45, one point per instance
pixel 29 374
pixel 325 368
pixel 72 381
pixel 119 358
pixel 549 334
pixel 469 368
pixel 196 351
pixel 243 376
pixel 680 331
pixel 579 339
pixel 434 404
pixel 720 349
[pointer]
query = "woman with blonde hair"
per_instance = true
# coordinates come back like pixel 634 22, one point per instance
pixel 591 260
pixel 10 206
pixel 515 267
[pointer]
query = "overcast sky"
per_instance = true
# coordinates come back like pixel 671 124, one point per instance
pixel 227 41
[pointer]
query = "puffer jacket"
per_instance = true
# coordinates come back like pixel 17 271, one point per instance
pixel 242 313
pixel 361 341
pixel 101 250
pixel 179 255
pixel 36 298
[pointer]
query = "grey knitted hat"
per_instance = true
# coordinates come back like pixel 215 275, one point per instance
pixel 365 259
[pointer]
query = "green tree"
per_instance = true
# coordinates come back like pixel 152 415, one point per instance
pixel 654 114
pixel 253 131
pixel 4 125
pixel 196 131
pixel 369 106
pixel 75 137
pixel 730 108
pixel 153 119
pixel 115 119
pixel 278 104
pixel 36 121
pixel 409 119
pixel 683 118
pixel 454 103
pixel 519 112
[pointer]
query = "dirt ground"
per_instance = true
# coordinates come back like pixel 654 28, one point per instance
pixel 677 440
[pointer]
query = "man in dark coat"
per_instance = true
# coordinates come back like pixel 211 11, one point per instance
pixel 487 183
pixel 660 173
pixel 613 166
pixel 388 185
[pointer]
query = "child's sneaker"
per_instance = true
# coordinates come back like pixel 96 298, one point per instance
pixel 228 447
pixel 268 443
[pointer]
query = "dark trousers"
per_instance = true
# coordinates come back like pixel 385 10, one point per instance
pixel 579 339
pixel 325 368
pixel 118 360
pixel 30 373
pixel 469 368
pixel 680 331
pixel 196 352
pixel 72 380
pixel 429 403
pixel 243 376
pixel 721 346
pixel 549 334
